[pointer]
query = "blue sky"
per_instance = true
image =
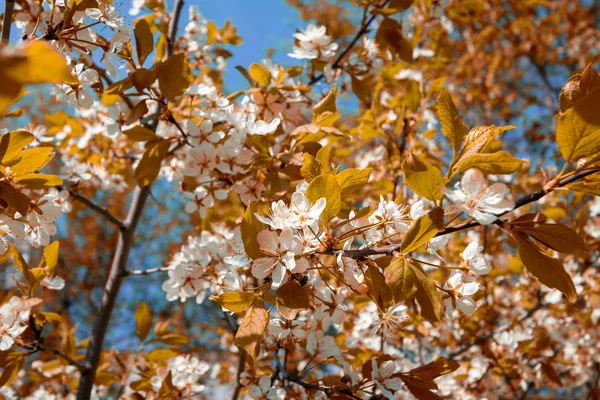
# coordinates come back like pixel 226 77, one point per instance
pixel 262 24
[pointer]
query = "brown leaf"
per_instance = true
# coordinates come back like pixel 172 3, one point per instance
pixel 291 298
pixel 250 333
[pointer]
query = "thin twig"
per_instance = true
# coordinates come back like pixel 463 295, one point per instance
pixel 98 208
pixel 7 20
pixel 363 30
pixel 533 197
pixel 146 271
pixel 62 355
pixel 173 24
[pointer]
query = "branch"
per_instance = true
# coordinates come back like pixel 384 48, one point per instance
pixel 7 20
pixel 363 30
pixel 99 209
pixel 62 355
pixel 490 335
pixel 533 197
pixel 173 24
pixel 146 271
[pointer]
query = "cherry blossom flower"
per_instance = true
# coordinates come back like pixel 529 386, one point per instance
pixel 13 322
pixel 200 161
pixel 473 196
pixel 335 307
pixel 41 225
pixel 349 268
pixel 53 283
pixel 394 317
pixel 81 95
pixel 476 260
pixel 313 43
pixel 462 289
pixel 300 214
pixel 281 330
pixel 382 377
pixel 281 251
pixel 12 228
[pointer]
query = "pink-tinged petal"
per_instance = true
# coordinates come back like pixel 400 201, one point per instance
pixel 301 266
pixel 261 267
pixel 286 239
pixel 480 265
pixel 449 307
pixel 268 240
pixel 473 182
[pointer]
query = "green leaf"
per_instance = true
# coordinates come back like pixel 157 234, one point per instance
pixel 423 230
pixel 326 186
pixel 423 178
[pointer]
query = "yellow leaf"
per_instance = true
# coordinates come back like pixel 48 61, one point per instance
pixel 324 158
pixel 477 141
pixel 548 270
pixel 38 181
pixel 44 65
pixel 234 301
pixel 326 104
pixel 453 126
pixel 144 41
pixel 143 321
pixel 401 279
pixel 423 178
pixel 311 168
pixel 250 228
pixel 30 160
pixel 174 339
pixel 326 186
pixel 50 258
pixel 12 143
pixel 50 317
pixel 249 335
pixel 140 134
pixel 160 355
pixel 149 166
pixel 578 86
pixel 423 230
pixel 291 298
pixel 352 179
pixel 174 76
pixel 578 128
pixel 260 74
pixel 590 184
pixel 496 163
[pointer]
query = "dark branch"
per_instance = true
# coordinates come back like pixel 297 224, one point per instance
pixel 7 20
pixel 99 209
pixel 364 29
pixel 533 197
